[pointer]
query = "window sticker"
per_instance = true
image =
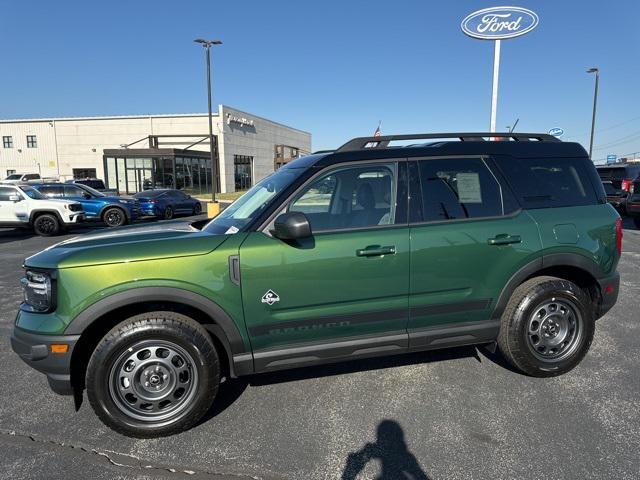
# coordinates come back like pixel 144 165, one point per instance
pixel 469 188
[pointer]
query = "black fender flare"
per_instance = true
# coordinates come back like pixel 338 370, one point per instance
pixel 552 260
pixel 227 331
pixel 38 211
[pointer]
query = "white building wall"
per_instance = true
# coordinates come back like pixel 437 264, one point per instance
pixel 68 143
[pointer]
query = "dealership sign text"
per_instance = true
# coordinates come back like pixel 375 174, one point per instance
pixel 498 23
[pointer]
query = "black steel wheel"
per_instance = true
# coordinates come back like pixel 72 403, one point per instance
pixel 114 217
pixel 46 225
pixel 154 374
pixel 547 326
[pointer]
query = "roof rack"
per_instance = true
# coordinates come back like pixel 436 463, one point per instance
pixel 362 143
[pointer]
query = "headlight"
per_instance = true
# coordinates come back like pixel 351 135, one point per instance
pixel 38 291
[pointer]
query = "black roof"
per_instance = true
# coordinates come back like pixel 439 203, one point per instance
pixel 516 145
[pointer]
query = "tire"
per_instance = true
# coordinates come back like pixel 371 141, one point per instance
pixel 46 225
pixel 197 209
pixel 168 213
pixel 155 374
pixel 558 315
pixel 636 221
pixel 114 217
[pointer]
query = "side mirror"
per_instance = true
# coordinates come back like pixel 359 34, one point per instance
pixel 14 198
pixel 292 226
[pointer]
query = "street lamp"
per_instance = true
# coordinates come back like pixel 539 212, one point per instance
pixel 214 167
pixel 595 101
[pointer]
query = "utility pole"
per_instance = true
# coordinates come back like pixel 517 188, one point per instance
pixel 214 166
pixel 595 102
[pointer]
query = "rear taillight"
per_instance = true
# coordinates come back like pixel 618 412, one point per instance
pixel 619 235
pixel 626 185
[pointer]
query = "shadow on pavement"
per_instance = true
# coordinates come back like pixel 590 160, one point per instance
pixel 390 450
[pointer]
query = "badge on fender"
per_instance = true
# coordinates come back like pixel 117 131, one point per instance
pixel 270 297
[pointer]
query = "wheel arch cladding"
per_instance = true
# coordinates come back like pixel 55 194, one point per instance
pixel 94 322
pixel 574 267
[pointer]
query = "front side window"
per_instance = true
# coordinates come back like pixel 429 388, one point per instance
pixel 350 197
pixel 32 141
pixel 7 142
pixel 73 191
pixel 454 189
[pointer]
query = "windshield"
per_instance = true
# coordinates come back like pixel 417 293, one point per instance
pixel 252 203
pixel 15 176
pixel 33 193
pixel 92 191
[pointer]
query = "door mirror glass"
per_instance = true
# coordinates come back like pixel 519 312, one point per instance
pixel 292 226
pixel 14 198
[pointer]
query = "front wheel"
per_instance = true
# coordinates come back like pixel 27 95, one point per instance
pixel 636 221
pixel 547 327
pixel 46 225
pixel 155 374
pixel 197 209
pixel 168 213
pixel 114 217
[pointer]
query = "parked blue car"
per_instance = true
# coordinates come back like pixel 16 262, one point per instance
pixel 113 211
pixel 166 203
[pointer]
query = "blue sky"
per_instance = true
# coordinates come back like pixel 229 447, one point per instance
pixel 333 68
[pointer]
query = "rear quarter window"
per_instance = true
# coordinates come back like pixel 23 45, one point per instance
pixel 552 182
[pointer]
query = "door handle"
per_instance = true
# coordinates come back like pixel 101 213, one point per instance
pixel 504 239
pixel 376 251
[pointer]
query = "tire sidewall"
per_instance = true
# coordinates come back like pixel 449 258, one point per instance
pixel 526 308
pixel 107 353
pixel 55 220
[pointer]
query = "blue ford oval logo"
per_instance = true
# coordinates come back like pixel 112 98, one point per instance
pixel 556 132
pixel 497 23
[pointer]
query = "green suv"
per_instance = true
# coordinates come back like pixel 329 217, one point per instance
pixel 380 247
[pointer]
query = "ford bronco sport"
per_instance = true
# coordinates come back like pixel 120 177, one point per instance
pixel 372 249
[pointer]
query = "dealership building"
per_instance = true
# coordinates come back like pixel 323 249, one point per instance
pixel 136 152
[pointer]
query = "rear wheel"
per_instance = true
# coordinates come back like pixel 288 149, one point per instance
pixel 547 327
pixel 114 217
pixel 155 374
pixel 46 225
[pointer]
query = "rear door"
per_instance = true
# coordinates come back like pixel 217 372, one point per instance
pixel 348 282
pixel 468 237
pixel 8 208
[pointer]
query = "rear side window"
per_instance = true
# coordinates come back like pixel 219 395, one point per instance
pixel 51 190
pixel 551 182
pixel 457 188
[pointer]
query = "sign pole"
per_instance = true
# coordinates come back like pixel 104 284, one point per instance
pixel 494 91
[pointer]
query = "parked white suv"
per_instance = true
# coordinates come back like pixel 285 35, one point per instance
pixel 24 206
pixel 22 178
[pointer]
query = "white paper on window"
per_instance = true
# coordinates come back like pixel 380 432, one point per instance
pixel 469 187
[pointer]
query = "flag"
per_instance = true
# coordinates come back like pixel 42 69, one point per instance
pixel 378 133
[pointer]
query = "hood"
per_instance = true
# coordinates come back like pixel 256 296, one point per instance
pixel 128 244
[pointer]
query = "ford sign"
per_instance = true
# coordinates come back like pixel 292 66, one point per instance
pixel 556 132
pixel 498 23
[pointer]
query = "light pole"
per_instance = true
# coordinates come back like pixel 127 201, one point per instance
pixel 595 102
pixel 214 167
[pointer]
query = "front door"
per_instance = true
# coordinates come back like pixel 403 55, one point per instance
pixel 468 236
pixel 344 291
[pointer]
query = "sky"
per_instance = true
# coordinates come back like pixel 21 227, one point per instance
pixel 333 68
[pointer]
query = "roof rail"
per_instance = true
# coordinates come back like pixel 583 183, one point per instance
pixel 362 143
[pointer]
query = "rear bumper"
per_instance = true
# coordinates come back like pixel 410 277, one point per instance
pixel 609 289
pixel 35 350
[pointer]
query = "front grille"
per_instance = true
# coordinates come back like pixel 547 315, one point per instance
pixel 75 207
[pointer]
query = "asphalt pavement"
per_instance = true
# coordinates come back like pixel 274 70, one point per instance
pixel 453 414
